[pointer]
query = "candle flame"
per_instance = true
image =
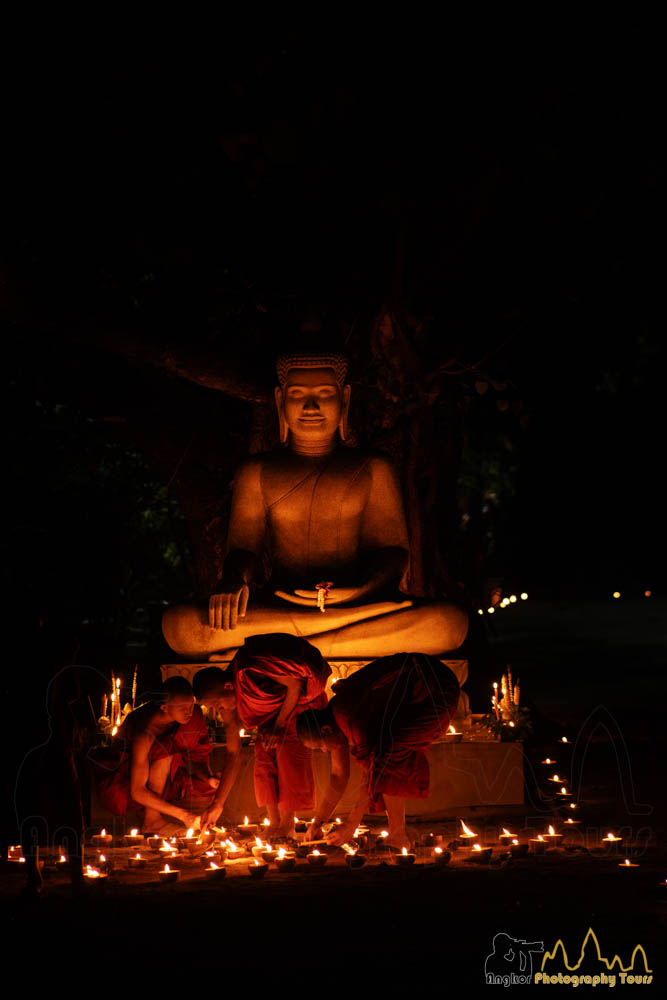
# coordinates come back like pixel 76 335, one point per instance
pixel 540 837
pixel 92 872
pixel 627 862
pixel 256 863
pixel 102 858
pixel 165 846
pixel 63 858
pixel 467 832
pixel 258 842
pixel 476 847
pixel 245 821
pixel 137 856
pixel 564 739
pixel 404 851
pixel 190 833
pixel 281 852
pixel 213 866
pixel 242 733
pixel 438 850
pixel 166 868
pixel 267 821
pixel 114 730
pixel 384 833
pixel 556 778
pixel 103 833
pixel 552 832
pixel 348 849
pixel 514 840
pixel 506 832
pixel 316 853
pixel 452 730
pixel 134 832
pixel 563 790
pixel 338 820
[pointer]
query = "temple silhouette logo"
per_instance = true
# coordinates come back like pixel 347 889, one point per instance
pixel 511 963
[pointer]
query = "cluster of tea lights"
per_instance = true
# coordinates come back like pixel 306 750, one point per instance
pixel 505 603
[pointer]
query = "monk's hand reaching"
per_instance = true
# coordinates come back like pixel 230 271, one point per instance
pixel 210 816
pixel 340 835
pixel 190 820
pixel 314 832
pixel 225 608
pixel 213 781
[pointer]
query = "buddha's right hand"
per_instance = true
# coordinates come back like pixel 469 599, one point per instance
pixel 226 608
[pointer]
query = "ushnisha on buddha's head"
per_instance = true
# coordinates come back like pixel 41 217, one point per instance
pixel 312 400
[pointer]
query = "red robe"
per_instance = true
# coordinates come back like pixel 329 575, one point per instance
pixel 391 711
pixel 283 774
pixel 185 744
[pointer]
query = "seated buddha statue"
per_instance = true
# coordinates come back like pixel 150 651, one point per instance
pixel 331 520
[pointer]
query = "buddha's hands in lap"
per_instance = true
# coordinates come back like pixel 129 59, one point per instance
pixel 337 595
pixel 226 608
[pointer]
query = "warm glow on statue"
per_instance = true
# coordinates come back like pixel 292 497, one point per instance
pixel 330 517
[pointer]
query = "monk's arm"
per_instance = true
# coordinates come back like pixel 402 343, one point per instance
pixel 338 778
pixel 139 775
pixel 230 773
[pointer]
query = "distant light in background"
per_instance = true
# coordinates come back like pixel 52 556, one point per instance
pixel 490 610
pixel 524 597
pixel 616 594
pixel 513 599
pixel 647 593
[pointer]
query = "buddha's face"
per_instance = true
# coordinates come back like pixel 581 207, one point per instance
pixel 312 403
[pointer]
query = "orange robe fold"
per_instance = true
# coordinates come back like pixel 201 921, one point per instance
pixel 391 711
pixel 283 774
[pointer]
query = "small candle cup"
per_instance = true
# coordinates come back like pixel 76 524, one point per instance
pixel 258 869
pixel 538 846
pixel 480 857
pixel 154 843
pixel 318 860
pixel 519 850
pixel 286 864
pixel 137 861
pixel 553 838
pixel 404 860
pixel 355 861
pixel 95 879
pixel 612 844
pixel 628 864
pixel 453 737
pixel 440 857
pixel 269 856
pixel 215 874
pixel 62 862
pixel 102 840
pixel 247 830
pixel 133 840
pixel 172 875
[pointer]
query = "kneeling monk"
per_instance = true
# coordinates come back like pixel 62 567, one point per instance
pixel 146 765
pixel 274 677
pixel 386 715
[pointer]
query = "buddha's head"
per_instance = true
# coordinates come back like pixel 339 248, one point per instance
pixel 312 398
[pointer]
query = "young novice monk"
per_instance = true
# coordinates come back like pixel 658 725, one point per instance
pixel 386 715
pixel 274 678
pixel 153 747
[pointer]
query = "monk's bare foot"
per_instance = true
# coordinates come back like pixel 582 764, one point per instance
pixel 398 839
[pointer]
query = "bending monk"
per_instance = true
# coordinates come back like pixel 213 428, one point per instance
pixel 147 764
pixel 386 715
pixel 328 515
pixel 274 677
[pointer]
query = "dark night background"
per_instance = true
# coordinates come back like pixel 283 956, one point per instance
pixel 484 239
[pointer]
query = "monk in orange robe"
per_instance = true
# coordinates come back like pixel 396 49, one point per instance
pixel 275 678
pixel 149 764
pixel 386 715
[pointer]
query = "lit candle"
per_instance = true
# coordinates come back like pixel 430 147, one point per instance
pixel 257 869
pixel 518 850
pixel 234 850
pixel 564 794
pixel 572 822
pixel 269 854
pixel 169 874
pixel 133 839
pixel 316 859
pixel 465 839
pixel 452 736
pixel 102 839
pixel 62 862
pixel 611 843
pixel 628 864
pixel 137 861
pixel 93 875
pixel 247 829
pixel 505 837
pixel 285 861
pixel 441 857
pixel 404 859
pixel 549 761
pixel 538 844
pixel 552 837
pixel 215 872
pixel 479 854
